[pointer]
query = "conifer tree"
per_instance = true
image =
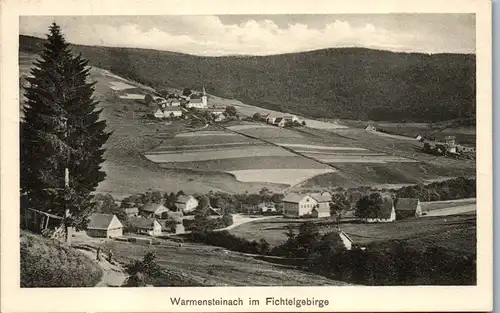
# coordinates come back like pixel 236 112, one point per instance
pixel 61 128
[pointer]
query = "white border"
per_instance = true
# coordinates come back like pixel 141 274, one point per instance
pixel 14 299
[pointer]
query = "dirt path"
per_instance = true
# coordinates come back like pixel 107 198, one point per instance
pixel 113 275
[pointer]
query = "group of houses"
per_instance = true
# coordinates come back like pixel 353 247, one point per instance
pixel 448 147
pixel 280 121
pixel 317 205
pixel 172 107
pixel 152 219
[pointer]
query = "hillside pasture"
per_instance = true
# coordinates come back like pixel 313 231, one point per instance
pixel 217 153
pixel 120 85
pixel 264 163
pixel 199 265
pixel 456 232
pixel 370 174
pixel 278 176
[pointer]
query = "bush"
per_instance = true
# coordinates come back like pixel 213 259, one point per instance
pixel 48 263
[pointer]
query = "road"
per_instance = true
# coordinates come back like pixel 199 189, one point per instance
pixel 239 219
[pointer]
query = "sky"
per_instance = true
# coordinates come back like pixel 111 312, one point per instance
pixel 266 34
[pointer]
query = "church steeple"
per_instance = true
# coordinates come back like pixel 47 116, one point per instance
pixel 204 98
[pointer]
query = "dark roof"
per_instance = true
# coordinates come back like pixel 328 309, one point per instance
pixel 141 222
pixel 176 216
pixel 213 211
pixel 183 199
pixel 278 119
pixel 406 204
pixel 100 221
pixel 152 207
pixel 131 210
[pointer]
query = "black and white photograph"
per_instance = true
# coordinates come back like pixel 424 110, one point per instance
pixel 248 150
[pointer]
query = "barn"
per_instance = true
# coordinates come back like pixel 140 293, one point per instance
pixel 408 208
pixel 104 226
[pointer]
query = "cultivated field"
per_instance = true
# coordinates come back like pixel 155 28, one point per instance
pixel 217 267
pixel 456 232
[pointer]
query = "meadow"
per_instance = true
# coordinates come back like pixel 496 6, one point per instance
pixel 201 265
pixel 456 232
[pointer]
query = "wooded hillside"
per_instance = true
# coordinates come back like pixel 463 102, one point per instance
pixel 349 83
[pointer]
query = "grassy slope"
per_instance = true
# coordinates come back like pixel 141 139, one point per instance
pixel 333 83
pixel 453 232
pixel 212 266
pixel 46 263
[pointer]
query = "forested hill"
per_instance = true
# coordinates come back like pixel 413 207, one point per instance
pixel 351 83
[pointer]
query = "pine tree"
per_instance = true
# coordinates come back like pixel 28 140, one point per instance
pixel 61 128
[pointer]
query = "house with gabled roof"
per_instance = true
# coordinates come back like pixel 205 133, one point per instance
pixel 104 226
pixel 152 210
pixel 132 212
pixel 322 208
pixel 296 205
pixel 146 226
pixel 408 208
pixel 186 203
pixel 279 121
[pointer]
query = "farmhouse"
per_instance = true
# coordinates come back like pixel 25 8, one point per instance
pixel 290 118
pixel 198 103
pixel 216 111
pixel 172 226
pixel 104 225
pixel 322 208
pixel 172 112
pixel 386 214
pixel 186 203
pixel 270 119
pixel 267 207
pixel 298 205
pixel 152 210
pixel 173 102
pixel 407 208
pixel 146 226
pixel 279 121
pixel 132 212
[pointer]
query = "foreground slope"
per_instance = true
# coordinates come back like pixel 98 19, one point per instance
pixel 46 263
pixel 333 83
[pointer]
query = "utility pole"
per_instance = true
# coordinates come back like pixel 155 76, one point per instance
pixel 67 197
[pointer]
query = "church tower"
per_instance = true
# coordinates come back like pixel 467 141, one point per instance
pixel 204 98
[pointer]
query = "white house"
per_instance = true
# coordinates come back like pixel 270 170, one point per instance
pixel 267 207
pixel 198 103
pixel 153 210
pixel 279 121
pixel 270 119
pixel 132 212
pixel 323 201
pixel 159 114
pixel 104 225
pixel 186 203
pixel 298 205
pixel 146 226
pixel 172 112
